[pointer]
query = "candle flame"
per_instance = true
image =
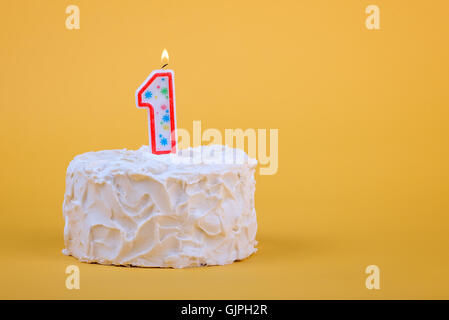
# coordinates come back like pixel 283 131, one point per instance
pixel 164 57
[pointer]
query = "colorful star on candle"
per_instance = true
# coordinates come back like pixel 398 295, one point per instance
pixel 161 110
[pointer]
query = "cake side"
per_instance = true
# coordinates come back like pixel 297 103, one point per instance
pixel 133 208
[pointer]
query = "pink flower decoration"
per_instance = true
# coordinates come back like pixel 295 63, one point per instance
pixel 163 107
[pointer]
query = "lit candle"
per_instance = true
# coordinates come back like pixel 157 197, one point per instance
pixel 157 93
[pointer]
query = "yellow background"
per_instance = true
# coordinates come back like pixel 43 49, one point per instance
pixel 363 138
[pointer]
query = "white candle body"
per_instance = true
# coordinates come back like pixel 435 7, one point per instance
pixel 157 93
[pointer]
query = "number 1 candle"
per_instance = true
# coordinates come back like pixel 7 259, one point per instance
pixel 157 93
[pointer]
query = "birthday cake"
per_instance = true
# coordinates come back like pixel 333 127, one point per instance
pixel 135 208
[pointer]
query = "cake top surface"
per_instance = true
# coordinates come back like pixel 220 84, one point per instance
pixel 203 159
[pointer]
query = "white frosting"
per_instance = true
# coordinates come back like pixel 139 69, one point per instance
pixel 127 207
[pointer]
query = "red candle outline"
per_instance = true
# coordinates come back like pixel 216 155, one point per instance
pixel 141 104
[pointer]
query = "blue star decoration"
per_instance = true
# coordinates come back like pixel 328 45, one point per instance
pixel 148 94
pixel 166 118
pixel 164 141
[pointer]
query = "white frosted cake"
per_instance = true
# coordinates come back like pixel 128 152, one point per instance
pixel 130 207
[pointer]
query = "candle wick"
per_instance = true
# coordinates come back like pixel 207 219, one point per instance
pixel 164 66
